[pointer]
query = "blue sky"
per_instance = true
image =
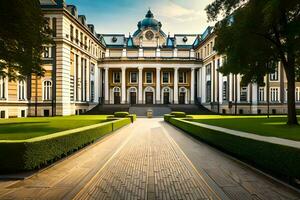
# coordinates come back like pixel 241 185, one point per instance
pixel 122 16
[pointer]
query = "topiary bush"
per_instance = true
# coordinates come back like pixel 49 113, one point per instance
pixel 121 114
pixel 178 114
pixel 132 117
pixel 167 117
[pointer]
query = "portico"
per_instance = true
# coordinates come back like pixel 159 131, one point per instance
pixel 149 83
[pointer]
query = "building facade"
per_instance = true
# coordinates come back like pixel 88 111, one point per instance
pixel 84 68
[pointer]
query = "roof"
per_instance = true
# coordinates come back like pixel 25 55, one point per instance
pixel 114 39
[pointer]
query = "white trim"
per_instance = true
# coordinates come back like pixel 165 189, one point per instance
pixel 25 90
pixel 128 94
pixel 170 94
pixel 43 90
pixel 151 77
pixel 137 77
pixel 162 77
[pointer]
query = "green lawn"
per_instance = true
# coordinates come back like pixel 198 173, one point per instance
pixel 274 126
pixel 25 128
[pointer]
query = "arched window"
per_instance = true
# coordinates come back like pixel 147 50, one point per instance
pixel 21 90
pixel 116 89
pixel 47 93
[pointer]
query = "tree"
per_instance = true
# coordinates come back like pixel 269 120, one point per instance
pixel 254 35
pixel 23 33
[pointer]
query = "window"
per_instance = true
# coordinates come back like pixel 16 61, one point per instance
pixel 23 113
pixel 208 91
pixel 261 94
pixel 71 32
pixel 244 94
pixel 274 75
pixel 166 77
pixel 2 88
pixel 225 91
pixel 182 77
pixel 47 93
pixel 46 52
pixel 76 35
pixel 21 90
pixel 2 114
pixel 54 26
pixel 208 70
pixel 117 77
pixel 274 94
pixel 297 95
pixel 133 77
pixel 81 39
pixel 149 77
pixel 92 91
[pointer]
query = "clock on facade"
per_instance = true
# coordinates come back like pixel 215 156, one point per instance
pixel 149 35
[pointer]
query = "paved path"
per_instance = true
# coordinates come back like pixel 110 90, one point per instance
pixel 147 160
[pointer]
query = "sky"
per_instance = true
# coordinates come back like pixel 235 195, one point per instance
pixel 122 16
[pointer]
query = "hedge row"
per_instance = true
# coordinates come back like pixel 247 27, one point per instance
pixel 37 152
pixel 280 160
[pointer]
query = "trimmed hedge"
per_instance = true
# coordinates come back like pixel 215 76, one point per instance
pixel 280 160
pixel 178 114
pixel 121 114
pixel 167 117
pixel 23 155
pixel 132 117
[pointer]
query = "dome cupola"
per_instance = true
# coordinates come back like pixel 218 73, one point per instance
pixel 149 22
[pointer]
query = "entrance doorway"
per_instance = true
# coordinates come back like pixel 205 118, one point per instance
pixel 132 97
pixel 166 98
pixel 182 98
pixel 117 95
pixel 149 97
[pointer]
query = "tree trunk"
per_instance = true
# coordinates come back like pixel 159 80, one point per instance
pixel 290 74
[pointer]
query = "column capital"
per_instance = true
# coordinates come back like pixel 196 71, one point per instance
pixel 176 68
pixel 140 68
pixel 106 68
pixel 158 68
pixel 123 68
pixel 193 68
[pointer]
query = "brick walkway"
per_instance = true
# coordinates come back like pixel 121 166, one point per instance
pixel 147 160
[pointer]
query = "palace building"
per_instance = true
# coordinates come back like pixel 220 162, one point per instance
pixel 85 68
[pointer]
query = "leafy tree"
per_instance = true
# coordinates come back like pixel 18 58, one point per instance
pixel 254 35
pixel 23 33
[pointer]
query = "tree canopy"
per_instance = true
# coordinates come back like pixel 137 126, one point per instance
pixel 256 34
pixel 23 33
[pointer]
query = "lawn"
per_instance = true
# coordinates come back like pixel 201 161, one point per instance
pixel 25 128
pixel 274 126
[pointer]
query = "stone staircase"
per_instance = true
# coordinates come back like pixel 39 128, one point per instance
pixel 108 109
pixel 191 109
pixel 158 110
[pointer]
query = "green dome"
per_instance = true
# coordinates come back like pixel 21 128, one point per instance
pixel 149 21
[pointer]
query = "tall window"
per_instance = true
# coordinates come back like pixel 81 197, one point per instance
pixel 244 94
pixel 274 94
pixel 274 75
pixel 117 77
pixel 261 94
pixel 208 91
pixel 225 91
pixel 71 32
pixel 81 39
pixel 2 88
pixel 149 77
pixel 297 95
pixel 76 35
pixel 133 77
pixel 208 70
pixel 46 52
pixel 47 93
pixel 21 90
pixel 182 77
pixel 166 78
pixel 54 26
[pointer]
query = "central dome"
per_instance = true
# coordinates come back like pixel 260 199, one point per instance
pixel 149 22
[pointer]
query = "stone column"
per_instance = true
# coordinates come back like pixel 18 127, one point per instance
pixel 254 98
pixel 158 85
pixel 203 84
pixel 106 86
pixel 192 85
pixel 176 85
pixel 140 89
pixel 123 92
